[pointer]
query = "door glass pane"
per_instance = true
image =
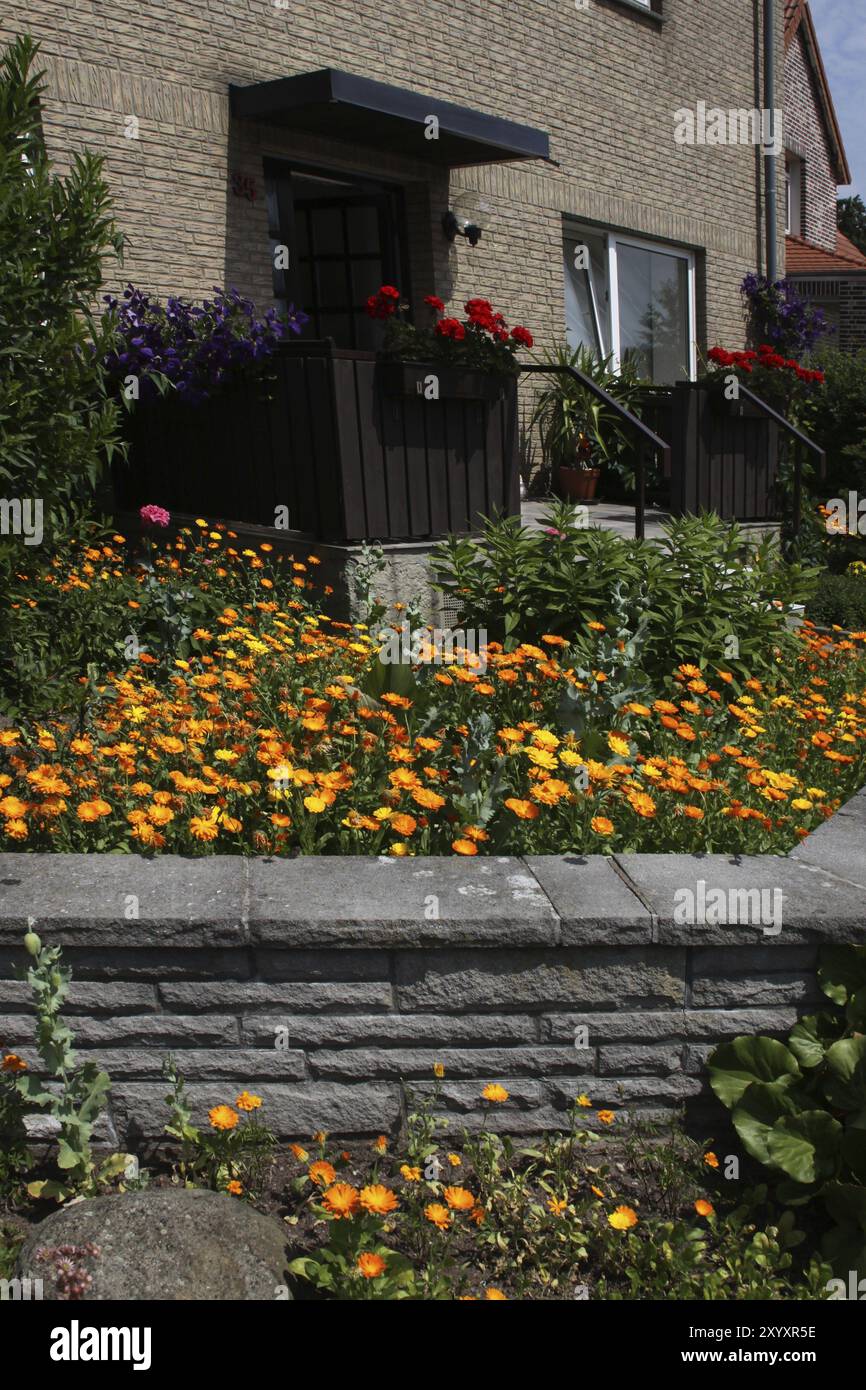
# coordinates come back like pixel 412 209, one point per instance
pixel 366 279
pixel 326 231
pixel 331 277
pixel 363 229
pixel 654 313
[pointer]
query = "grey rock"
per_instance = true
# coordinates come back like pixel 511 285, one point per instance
pixel 85 997
pixel 293 997
pixel 166 1244
pixel 839 846
pixel 593 903
pixel 395 1030
pixel 639 1060
pixel 480 1062
pixel 293 1110
pixel 356 900
pixel 571 977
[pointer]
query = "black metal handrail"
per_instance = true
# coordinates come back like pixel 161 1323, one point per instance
pixel 628 418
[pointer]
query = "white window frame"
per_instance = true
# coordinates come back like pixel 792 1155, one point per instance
pixel 614 239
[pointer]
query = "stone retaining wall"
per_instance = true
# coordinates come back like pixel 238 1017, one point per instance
pixel 320 983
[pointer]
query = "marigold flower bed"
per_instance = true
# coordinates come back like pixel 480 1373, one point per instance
pixel 269 737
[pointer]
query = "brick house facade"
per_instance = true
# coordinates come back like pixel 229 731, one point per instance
pixel 827 268
pixel 198 191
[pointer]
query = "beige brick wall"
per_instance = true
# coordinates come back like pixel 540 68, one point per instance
pixel 603 81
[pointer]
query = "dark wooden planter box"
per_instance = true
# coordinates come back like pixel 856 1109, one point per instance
pixel 411 378
pixel 333 439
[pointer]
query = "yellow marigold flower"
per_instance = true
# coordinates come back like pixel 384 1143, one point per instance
pixel 543 738
pixel 378 1199
pixel 606 1117
pixel 541 758
pixel 399 849
pixel 556 1205
pixel 341 1201
pixel 316 804
pixel 438 1215
pixel 370 1264
pixel 800 803
pixel 13 807
pixel 234 1187
pixel 459 1198
pixel 409 1173
pixel 619 745
pixel 247 1102
pixel 223 1117
pixel 203 829
pixel 623 1219
pixel 495 1296
pixel 704 1208
pixel 495 1093
pixel 585 1101
pixel 438 1070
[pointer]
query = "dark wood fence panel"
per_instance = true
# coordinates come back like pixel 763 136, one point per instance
pixel 353 451
pixel 725 457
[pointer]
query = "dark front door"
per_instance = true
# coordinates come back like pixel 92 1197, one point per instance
pixel 344 239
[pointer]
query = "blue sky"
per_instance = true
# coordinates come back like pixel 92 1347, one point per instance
pixel 841 26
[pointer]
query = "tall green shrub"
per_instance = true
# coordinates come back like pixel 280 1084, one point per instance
pixel 57 427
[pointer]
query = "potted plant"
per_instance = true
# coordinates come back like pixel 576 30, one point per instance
pixel 579 433
pixel 472 358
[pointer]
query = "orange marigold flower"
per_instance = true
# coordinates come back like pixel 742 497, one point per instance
pixel 370 1264
pixel 234 1187
pixel 495 1296
pixel 410 1174
pixel 711 1160
pixel 704 1208
pixel 438 1215
pixel 459 1198
pixel 223 1117
pixel 464 847
pixel 601 825
pixel 93 810
pixel 300 1153
pixel 247 1102
pixel 203 829
pixel 524 810
pixel 321 1173
pixel 606 1117
pixel 378 1199
pixel 341 1201
pixel 12 1063
pixel 381 1144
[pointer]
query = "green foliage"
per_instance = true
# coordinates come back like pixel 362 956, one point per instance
pixel 835 417
pixel 840 600
pixel 682 598
pixel 800 1109
pixel 575 426
pixel 57 426
pixel 73 1095
pixel 851 216
pixel 238 1155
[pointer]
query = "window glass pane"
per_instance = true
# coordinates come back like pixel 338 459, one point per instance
pixel 654 313
pixel 363 229
pixel 585 272
pixel 326 230
pixel 366 279
pixel 332 284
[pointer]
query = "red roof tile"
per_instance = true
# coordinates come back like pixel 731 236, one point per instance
pixel 805 259
pixel 793 15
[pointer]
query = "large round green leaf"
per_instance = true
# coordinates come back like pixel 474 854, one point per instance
pixel 854 1152
pixel 762 1104
pixel 736 1065
pixel 810 1038
pixel 807 1146
pixel 846 1203
pixel 842 971
pixel 845 1085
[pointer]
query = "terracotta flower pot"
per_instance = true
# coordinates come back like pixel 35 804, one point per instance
pixel 578 484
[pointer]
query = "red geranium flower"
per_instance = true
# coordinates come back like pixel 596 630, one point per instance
pixel 435 302
pixel 451 328
pixel 522 336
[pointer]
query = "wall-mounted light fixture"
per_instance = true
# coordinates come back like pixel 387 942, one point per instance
pixel 454 226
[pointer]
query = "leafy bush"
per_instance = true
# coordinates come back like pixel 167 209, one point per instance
pixel 57 425
pixel 835 417
pixel 194 349
pixel 690 594
pixel 839 600
pixel 800 1109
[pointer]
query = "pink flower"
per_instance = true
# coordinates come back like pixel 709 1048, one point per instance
pixel 152 515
